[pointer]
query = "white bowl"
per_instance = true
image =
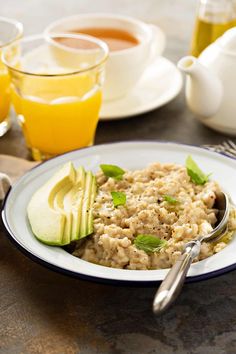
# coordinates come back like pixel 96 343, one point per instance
pixel 131 155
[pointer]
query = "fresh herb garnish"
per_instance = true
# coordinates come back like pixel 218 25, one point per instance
pixel 112 171
pixel 119 198
pixel 149 243
pixel 194 172
pixel 170 199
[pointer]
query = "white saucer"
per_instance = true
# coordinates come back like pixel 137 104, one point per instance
pixel 160 83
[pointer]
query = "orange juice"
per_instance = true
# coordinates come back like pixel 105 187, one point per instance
pixel 56 91
pixel 10 32
pixel 59 126
pixel 57 114
pixel 4 93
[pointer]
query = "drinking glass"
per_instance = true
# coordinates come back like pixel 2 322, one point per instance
pixel 56 90
pixel 10 30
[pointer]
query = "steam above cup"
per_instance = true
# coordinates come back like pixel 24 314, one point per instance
pixel 124 67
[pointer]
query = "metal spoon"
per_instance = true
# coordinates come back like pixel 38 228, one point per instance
pixel 173 282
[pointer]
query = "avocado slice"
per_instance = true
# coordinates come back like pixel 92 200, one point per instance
pixel 59 205
pixel 92 199
pixel 85 205
pixel 86 223
pixel 61 211
pixel 77 207
pixel 47 223
pixel 76 195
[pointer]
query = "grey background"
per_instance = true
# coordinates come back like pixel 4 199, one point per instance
pixel 45 312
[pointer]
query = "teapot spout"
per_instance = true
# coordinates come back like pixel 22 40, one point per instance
pixel 204 90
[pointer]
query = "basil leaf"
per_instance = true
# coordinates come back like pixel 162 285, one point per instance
pixel 112 171
pixel 194 172
pixel 149 243
pixel 170 199
pixel 118 198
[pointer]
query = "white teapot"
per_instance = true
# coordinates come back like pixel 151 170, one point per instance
pixel 211 83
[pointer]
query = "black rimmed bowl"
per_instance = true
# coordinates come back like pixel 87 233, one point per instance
pixel 130 155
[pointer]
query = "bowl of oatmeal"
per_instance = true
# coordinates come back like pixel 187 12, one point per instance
pixel 161 201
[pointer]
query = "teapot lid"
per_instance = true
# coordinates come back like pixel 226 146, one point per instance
pixel 227 42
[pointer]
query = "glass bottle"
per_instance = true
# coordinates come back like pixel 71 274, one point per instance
pixel 214 17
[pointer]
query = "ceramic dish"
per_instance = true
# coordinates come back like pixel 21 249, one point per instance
pixel 160 83
pixel 125 155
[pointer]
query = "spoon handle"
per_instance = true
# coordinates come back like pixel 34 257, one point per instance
pixel 173 282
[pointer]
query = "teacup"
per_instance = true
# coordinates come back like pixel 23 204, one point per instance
pixel 126 64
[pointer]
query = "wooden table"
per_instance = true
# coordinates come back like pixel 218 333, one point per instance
pixel 45 312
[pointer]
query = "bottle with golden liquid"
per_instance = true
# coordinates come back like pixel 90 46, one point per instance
pixel 214 17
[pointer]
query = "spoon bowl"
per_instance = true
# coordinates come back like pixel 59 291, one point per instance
pixel 222 204
pixel 173 282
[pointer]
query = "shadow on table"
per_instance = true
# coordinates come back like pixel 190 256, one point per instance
pixel 172 122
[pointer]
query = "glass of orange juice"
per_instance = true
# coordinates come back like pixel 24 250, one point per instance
pixel 10 30
pixel 56 90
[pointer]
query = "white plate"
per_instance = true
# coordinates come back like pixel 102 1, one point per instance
pixel 160 83
pixel 124 155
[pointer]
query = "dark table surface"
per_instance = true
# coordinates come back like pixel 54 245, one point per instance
pixel 45 312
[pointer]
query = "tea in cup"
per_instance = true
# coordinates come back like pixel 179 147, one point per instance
pixel 133 45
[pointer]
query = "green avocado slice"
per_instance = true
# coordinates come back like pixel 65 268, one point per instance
pixel 47 223
pixel 59 205
pixel 83 232
pixel 61 211
pixel 73 200
pixel 91 202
